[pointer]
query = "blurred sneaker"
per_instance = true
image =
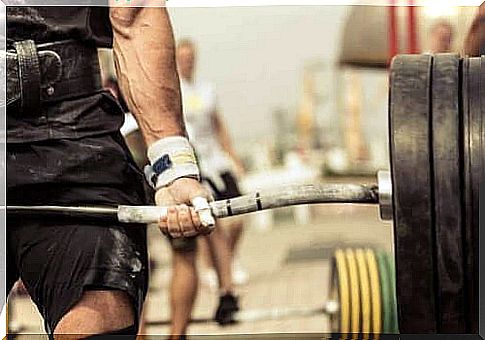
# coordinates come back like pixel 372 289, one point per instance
pixel 239 275
pixel 228 306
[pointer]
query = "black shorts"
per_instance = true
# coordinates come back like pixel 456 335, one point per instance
pixel 231 190
pixel 58 258
pixel 231 187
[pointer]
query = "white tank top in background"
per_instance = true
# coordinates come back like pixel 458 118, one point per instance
pixel 199 104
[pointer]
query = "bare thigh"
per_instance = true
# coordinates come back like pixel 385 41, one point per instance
pixel 97 312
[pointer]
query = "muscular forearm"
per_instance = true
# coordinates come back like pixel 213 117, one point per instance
pixel 144 54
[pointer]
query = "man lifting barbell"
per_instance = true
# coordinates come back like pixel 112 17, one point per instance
pixel 64 147
pixel 96 274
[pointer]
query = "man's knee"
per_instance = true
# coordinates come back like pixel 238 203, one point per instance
pixel 98 312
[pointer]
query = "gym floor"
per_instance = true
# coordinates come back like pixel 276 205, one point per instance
pixel 288 266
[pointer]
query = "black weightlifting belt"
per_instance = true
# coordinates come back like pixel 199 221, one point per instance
pixel 50 72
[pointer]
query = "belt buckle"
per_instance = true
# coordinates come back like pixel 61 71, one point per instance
pixel 50 67
pixel 50 70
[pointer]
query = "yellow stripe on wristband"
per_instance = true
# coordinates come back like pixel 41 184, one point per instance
pixel 183 158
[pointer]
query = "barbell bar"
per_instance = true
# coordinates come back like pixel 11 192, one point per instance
pixel 258 201
pixel 255 315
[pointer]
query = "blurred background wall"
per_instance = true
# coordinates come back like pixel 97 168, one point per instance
pixel 256 57
pixel 310 80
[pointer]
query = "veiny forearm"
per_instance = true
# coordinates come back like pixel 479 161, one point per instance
pixel 144 55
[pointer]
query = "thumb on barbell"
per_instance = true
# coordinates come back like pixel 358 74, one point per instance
pixel 202 207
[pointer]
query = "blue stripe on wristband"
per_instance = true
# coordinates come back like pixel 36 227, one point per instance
pixel 162 164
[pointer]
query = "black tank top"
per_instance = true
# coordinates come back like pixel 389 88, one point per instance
pixel 51 23
pixel 96 114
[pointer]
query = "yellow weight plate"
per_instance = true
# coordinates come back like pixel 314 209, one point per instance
pixel 375 288
pixel 6 316
pixel 365 293
pixel 354 292
pixel 339 292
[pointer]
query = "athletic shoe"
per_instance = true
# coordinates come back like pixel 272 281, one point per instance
pixel 228 306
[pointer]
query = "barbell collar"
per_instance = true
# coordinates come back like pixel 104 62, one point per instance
pixel 385 195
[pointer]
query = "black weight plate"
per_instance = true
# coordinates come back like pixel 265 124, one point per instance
pixel 446 150
pixel 479 174
pixel 477 178
pixel 409 131
pixel 472 168
pixel 468 241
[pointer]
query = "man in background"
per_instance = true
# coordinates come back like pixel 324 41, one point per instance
pixel 214 151
pixel 206 130
pixel 475 41
pixel 441 37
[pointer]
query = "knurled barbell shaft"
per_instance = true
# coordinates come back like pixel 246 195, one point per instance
pixel 261 200
pixel 295 195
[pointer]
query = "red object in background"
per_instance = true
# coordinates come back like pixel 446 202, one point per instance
pixel 412 29
pixel 393 40
pixel 412 32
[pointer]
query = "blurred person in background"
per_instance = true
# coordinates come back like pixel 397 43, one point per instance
pixel 221 164
pixel 441 36
pixel 475 41
pixel 184 282
pixel 218 246
pixel 214 150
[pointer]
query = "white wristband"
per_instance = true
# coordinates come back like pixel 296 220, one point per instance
pixel 172 158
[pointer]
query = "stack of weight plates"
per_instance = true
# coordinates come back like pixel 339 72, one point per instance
pixel 362 284
pixel 435 129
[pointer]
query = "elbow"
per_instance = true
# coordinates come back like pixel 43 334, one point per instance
pixel 123 19
pixel 123 16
